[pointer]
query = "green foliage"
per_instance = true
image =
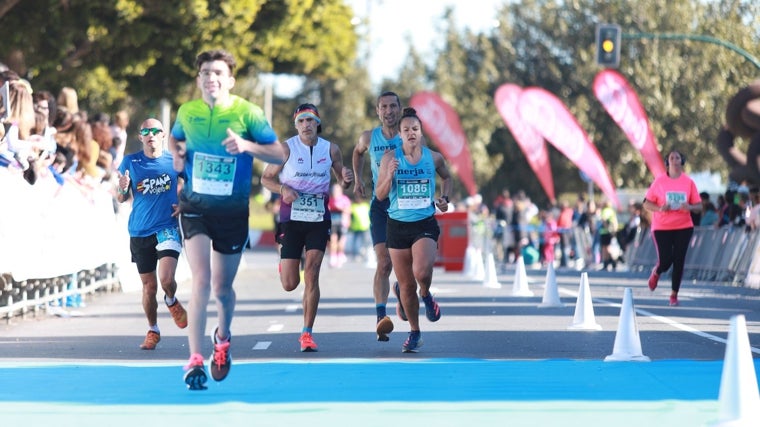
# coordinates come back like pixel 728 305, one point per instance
pixel 683 85
pixel 343 107
pixel 139 51
pixel 147 48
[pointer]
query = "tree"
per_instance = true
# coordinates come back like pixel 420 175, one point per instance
pixel 146 49
pixel 684 86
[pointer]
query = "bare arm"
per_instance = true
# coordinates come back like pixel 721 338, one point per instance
pixel 696 207
pixel 123 187
pixel 271 181
pixel 344 175
pixel 388 166
pixel 443 171
pixel 268 153
pixel 178 150
pixel 651 206
pixel 357 161
pixel 654 207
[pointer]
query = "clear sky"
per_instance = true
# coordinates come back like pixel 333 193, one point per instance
pixel 391 21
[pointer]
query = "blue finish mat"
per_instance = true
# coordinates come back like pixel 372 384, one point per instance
pixel 342 392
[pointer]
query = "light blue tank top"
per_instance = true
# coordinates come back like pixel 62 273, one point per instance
pixel 413 188
pixel 378 145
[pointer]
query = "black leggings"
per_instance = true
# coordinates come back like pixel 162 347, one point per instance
pixel 671 248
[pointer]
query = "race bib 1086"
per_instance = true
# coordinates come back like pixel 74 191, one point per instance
pixel 413 193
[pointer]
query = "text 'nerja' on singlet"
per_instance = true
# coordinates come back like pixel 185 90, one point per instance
pixel 413 188
pixel 378 145
pixel 307 171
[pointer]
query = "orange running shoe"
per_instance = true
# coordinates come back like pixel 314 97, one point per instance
pixel 151 339
pixel 178 314
pixel 384 327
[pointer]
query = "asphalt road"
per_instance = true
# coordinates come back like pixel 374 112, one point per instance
pixel 493 359
pixel 478 321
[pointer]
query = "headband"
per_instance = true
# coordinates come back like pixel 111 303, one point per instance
pixel 307 112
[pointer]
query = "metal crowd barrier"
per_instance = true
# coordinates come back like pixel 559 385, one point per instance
pixel 720 255
pixel 20 298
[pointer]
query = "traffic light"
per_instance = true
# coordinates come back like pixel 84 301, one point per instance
pixel 608 45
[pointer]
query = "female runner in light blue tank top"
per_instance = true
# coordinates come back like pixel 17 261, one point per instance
pixel 407 177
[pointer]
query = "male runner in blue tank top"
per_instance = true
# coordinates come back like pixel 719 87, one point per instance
pixel 377 141
pixel 407 178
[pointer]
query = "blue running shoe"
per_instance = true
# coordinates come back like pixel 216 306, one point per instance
pixel 399 308
pixel 432 310
pixel 412 343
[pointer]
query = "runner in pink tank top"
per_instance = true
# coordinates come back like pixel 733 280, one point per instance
pixel 671 198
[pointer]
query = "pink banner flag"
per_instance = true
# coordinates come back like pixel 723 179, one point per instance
pixel 531 142
pixel 622 104
pixel 549 117
pixel 441 122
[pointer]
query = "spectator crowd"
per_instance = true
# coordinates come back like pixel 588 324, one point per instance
pixel 57 165
pixel 47 138
pixel 573 235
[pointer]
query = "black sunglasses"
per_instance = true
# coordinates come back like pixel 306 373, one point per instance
pixel 147 131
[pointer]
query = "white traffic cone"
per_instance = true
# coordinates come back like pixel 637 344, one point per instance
pixel 584 319
pixel 627 346
pixel 551 293
pixel 490 280
pixel 478 268
pixel 520 286
pixel 739 400
pixel 469 261
pixel 371 261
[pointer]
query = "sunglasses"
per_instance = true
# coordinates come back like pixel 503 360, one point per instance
pixel 148 131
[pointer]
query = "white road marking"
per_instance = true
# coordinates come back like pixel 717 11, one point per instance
pixel 262 345
pixel 661 319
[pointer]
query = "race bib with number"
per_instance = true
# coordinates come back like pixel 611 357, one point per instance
pixel 169 240
pixel 308 208
pixel 413 193
pixel 675 199
pixel 213 175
